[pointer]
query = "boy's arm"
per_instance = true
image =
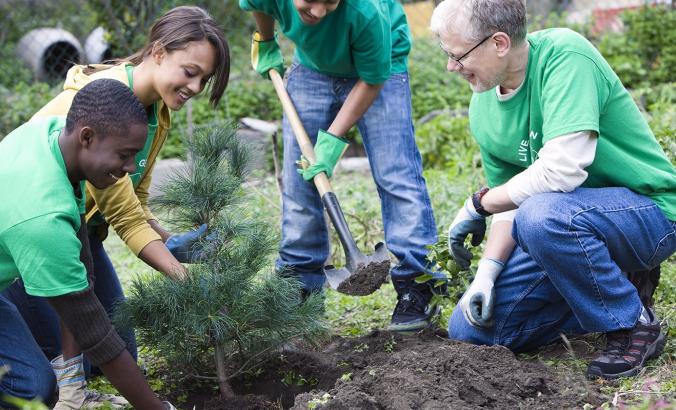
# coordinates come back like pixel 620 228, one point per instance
pixel 357 103
pixel 265 24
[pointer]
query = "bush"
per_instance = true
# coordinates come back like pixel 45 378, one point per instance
pixel 645 54
pixel 17 105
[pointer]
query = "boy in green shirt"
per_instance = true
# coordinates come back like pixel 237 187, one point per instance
pixel 350 68
pixel 42 236
pixel 580 189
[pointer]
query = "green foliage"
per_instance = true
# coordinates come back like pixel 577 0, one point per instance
pixel 432 87
pixel 230 302
pixel 645 54
pixel 18 104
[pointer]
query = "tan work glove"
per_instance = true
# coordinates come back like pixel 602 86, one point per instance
pixel 73 392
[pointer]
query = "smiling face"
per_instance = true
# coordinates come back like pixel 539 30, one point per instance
pixel 105 159
pixel 313 11
pixel 481 68
pixel 182 74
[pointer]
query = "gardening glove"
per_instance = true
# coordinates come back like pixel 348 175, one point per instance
pixel 328 150
pixel 73 392
pixel 466 222
pixel 168 406
pixel 477 302
pixel 183 246
pixel 266 55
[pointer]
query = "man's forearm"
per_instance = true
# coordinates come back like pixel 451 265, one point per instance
pixel 127 378
pixel 357 103
pixel 500 243
pixel 265 24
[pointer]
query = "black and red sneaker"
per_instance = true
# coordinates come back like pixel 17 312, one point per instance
pixel 627 350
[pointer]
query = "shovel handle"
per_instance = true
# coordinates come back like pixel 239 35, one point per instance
pixel 321 180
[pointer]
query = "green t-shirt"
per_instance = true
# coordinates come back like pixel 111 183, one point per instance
pixel 569 87
pixel 39 215
pixel 369 39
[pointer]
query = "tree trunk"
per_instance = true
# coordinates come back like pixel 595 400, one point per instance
pixel 223 384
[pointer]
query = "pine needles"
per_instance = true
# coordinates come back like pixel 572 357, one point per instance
pixel 231 306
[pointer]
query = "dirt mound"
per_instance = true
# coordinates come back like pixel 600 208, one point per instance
pixel 427 372
pixel 388 371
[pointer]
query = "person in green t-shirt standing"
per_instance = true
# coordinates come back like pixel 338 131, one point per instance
pixel 43 240
pixel 350 68
pixel 580 190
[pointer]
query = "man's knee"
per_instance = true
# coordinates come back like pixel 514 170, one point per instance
pixel 459 329
pixel 537 218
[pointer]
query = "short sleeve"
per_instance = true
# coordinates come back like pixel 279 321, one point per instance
pixel 574 93
pixel 46 251
pixel 372 51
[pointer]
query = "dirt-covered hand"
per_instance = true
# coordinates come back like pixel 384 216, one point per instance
pixel 186 246
pixel 266 55
pixel 328 150
pixel 466 222
pixel 477 302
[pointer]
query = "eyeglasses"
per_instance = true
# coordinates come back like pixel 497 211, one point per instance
pixel 457 59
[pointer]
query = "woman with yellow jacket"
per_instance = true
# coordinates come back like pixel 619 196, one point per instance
pixel 186 52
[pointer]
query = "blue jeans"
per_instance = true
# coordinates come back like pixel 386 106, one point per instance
pixel 30 375
pixel 387 131
pixel 566 272
pixel 43 321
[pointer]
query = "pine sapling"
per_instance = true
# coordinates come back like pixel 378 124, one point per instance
pixel 232 307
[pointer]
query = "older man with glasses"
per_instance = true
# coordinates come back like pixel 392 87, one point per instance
pixel 580 190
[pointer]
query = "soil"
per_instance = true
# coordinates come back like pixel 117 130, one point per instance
pixel 366 279
pixel 389 371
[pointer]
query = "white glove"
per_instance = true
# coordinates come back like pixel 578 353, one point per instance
pixel 477 302
pixel 168 405
pixel 73 392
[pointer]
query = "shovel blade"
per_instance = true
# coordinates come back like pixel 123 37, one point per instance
pixel 362 275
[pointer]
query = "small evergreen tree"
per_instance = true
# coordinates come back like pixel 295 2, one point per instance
pixel 229 308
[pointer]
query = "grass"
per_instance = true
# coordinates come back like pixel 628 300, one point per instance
pixel 354 316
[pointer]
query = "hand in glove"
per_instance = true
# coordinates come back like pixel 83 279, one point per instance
pixel 466 222
pixel 328 150
pixel 73 392
pixel 185 247
pixel 477 302
pixel 266 55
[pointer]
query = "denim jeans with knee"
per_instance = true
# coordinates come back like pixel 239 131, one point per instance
pixel 566 272
pixel 387 131
pixel 30 374
pixel 43 321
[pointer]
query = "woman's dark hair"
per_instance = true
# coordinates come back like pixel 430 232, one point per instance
pixel 180 26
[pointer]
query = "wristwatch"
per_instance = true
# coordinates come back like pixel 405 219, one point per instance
pixel 476 201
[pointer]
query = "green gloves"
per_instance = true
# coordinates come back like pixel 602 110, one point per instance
pixel 266 55
pixel 328 150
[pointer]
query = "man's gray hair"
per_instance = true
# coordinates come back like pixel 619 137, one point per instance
pixel 477 19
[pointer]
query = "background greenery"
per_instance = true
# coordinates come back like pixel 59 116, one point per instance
pixel 644 56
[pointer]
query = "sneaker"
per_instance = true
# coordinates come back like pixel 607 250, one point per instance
pixel 627 350
pixel 415 309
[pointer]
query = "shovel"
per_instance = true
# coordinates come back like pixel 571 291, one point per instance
pixel 362 274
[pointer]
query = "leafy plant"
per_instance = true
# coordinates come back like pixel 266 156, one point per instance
pixel 231 307
pixel 18 104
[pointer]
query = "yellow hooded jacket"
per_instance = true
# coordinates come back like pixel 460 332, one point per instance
pixel 122 206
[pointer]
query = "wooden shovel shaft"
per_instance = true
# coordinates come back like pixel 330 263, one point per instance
pixel 321 180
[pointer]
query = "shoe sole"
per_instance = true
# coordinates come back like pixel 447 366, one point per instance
pixel 594 372
pixel 412 328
